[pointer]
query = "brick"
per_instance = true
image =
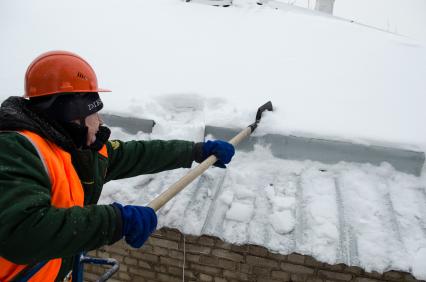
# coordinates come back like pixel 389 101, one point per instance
pixel 172 234
pixel 124 276
pixel 228 255
pixel 142 272
pixel 261 261
pixel 149 258
pixel 123 268
pixel 160 268
pixel 190 248
pixel 277 257
pixel 235 275
pixel 159 251
pixel 227 264
pixel 298 269
pixel 373 274
pixel 158 233
pixel 206 241
pixel 300 277
pixel 192 258
pixel 205 269
pixel 283 276
pixel 102 254
pixel 118 258
pixel 393 275
pixel 164 243
pixel 261 271
pixel 168 278
pixel 313 279
pixel 361 279
pixel 205 277
pixel 93 268
pixel 222 245
pixel 261 279
pixel 138 255
pixel 334 275
pixel 143 264
pixel 177 271
pixel 118 249
pixel 257 251
pixel 296 258
pixel 90 277
pixel 244 268
pixel 209 260
pixel 354 270
pixel 97 270
pixel 176 254
pixel 171 261
pixel 130 261
pixel 334 267
pixel 310 261
pixel 239 249
pixel 191 239
pixel 145 248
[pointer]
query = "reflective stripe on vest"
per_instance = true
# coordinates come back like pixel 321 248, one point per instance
pixel 66 191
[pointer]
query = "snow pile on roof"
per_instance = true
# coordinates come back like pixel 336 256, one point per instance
pixel 358 214
pixel 326 77
pixel 187 65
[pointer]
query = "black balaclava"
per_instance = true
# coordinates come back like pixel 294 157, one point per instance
pixel 68 107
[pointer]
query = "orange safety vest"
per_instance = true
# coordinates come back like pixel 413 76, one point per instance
pixel 66 191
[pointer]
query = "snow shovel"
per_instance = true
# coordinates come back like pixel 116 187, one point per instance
pixel 167 195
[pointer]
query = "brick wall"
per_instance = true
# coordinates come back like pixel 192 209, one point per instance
pixel 210 259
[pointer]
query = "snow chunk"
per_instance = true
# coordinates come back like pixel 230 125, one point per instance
pixel 241 212
pixel 282 222
pixel 227 197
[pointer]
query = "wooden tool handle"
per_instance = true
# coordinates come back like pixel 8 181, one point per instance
pixel 167 195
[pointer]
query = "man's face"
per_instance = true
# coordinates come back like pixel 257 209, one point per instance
pixel 92 122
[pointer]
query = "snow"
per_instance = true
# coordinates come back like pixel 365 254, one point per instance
pixel 419 267
pixel 188 65
pixel 282 222
pixel 326 77
pixel 388 15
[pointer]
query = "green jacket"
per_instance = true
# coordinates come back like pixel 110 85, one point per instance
pixel 31 230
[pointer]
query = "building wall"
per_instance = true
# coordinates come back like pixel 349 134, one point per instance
pixel 211 259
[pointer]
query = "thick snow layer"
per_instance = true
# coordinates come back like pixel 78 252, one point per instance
pixel 358 214
pixel 186 65
pixel 326 77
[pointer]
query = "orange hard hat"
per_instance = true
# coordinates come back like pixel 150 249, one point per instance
pixel 60 72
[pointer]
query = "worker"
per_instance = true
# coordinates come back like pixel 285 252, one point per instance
pixel 55 157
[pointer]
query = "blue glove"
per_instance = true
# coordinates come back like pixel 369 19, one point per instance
pixel 221 149
pixel 138 223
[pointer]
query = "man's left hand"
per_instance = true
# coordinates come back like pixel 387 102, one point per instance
pixel 223 150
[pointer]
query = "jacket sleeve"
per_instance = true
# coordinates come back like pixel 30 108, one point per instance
pixel 32 229
pixel 128 159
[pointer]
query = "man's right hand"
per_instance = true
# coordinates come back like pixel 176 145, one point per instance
pixel 138 223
